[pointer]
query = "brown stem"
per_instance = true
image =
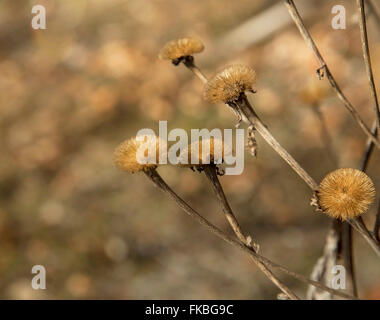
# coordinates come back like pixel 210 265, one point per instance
pixel 359 226
pixel 367 58
pixel 247 110
pixel 211 174
pixel 160 183
pixel 368 149
pixel 189 63
pixel 347 250
pixel 376 226
pixel 309 40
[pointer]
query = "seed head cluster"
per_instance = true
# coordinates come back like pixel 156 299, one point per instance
pixel 181 48
pixel 346 193
pixel 228 85
pixel 127 157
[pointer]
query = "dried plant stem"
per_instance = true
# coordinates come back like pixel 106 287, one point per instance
pixel 359 226
pixel 376 226
pixel 247 110
pixel 364 165
pixel 368 149
pixel 189 63
pixel 367 58
pixel 210 171
pixel 368 66
pixel 160 183
pixel 348 256
pixel 309 40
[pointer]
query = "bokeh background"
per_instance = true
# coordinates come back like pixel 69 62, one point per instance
pixel 71 93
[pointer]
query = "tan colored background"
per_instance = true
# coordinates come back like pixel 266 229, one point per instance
pixel 71 93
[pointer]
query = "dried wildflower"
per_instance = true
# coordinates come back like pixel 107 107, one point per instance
pixel 127 157
pixel 228 85
pixel 195 156
pixel 178 49
pixel 346 193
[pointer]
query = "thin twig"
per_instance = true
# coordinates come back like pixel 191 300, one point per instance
pixel 367 58
pixel 189 63
pixel 348 256
pixel 159 182
pixel 247 110
pixel 211 174
pixel 324 68
pixel 364 165
pixel 368 149
pixel 376 226
pixel 359 226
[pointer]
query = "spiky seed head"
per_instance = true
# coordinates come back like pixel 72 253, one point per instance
pixel 194 155
pixel 180 48
pixel 346 193
pixel 228 85
pixel 127 157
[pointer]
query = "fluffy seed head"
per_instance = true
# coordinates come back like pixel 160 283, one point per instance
pixel 127 157
pixel 228 85
pixel 346 193
pixel 180 48
pixel 193 155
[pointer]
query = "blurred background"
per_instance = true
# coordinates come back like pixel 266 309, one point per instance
pixel 71 93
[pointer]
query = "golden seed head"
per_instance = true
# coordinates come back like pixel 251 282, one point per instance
pixel 180 48
pixel 228 85
pixel 193 155
pixel 127 157
pixel 346 193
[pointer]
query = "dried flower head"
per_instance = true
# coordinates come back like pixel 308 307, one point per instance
pixel 127 156
pixel 228 85
pixel 346 193
pixel 194 155
pixel 180 48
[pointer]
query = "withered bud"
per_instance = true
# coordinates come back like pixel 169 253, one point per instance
pixel 176 50
pixel 228 85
